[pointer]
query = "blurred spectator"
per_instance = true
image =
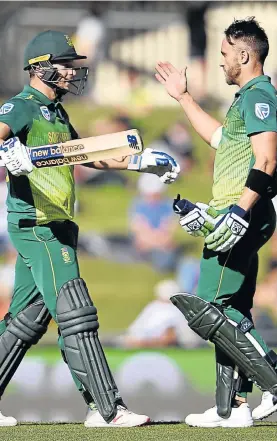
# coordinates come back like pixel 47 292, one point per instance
pixel 138 100
pixel 264 311
pixel 195 16
pixel 187 274
pixel 103 126
pixel 152 224
pixel 266 294
pixel 177 142
pixel 160 323
pixel 90 41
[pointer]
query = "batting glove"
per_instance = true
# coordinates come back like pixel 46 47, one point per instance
pixel 16 157
pixel 228 231
pixel 158 163
pixel 198 219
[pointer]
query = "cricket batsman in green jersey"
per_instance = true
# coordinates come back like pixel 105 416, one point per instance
pixel 238 221
pixel 40 222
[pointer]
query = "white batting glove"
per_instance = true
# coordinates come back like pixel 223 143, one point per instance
pixel 15 157
pixel 158 163
pixel 198 219
pixel 229 231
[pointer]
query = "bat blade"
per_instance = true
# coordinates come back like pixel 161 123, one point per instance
pixel 81 151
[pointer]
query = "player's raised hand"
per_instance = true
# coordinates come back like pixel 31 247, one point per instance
pixel 15 157
pixel 174 81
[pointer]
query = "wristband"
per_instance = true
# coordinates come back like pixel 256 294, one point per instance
pixel 238 211
pixel 260 182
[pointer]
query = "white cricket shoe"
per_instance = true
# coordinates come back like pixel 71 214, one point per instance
pixel 240 417
pixel 7 421
pixel 123 418
pixel 266 408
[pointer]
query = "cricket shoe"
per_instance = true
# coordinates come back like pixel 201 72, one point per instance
pixel 240 417
pixel 123 418
pixel 7 421
pixel 266 408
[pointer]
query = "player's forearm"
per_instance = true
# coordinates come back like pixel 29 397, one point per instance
pixel 204 124
pixel 110 164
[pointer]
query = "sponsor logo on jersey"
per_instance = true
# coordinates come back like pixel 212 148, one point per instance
pixel 6 108
pixel 45 112
pixel 65 255
pixel 262 110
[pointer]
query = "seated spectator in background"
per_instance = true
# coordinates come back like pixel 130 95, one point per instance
pixel 138 100
pixel 177 142
pixel 153 224
pixel 160 323
pixel 266 294
pixel 265 306
pixel 187 274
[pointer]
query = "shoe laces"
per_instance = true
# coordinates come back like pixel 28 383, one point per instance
pixel 120 407
pixel 265 396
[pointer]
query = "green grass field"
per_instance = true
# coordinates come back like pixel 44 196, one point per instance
pixel 156 431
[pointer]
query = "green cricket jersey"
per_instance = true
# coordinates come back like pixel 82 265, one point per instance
pixel 46 194
pixel 253 111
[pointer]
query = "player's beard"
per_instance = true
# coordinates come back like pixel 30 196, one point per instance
pixel 232 73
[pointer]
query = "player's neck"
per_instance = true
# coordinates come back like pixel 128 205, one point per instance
pixel 248 76
pixel 43 88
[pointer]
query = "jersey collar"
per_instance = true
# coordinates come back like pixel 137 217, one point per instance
pixel 259 79
pixel 37 94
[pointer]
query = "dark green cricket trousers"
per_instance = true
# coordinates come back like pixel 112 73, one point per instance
pixel 46 260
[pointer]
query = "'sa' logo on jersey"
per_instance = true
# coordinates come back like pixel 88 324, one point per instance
pixel 65 255
pixel 6 108
pixel 262 110
pixel 45 112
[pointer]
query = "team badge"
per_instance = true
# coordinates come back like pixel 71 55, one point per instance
pixel 69 41
pixel 262 110
pixel 45 112
pixel 6 108
pixel 65 255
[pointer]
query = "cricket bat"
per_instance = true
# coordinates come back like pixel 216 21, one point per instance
pixel 80 151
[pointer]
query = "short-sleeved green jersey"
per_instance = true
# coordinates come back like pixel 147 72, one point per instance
pixel 47 194
pixel 252 111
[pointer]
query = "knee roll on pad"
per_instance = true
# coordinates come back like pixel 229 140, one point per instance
pixel 21 332
pixel 78 323
pixel 234 340
pixel 78 314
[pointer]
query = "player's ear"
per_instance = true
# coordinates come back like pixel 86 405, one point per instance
pixel 244 56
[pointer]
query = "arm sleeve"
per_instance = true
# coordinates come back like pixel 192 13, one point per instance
pixel 258 111
pixel 16 115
